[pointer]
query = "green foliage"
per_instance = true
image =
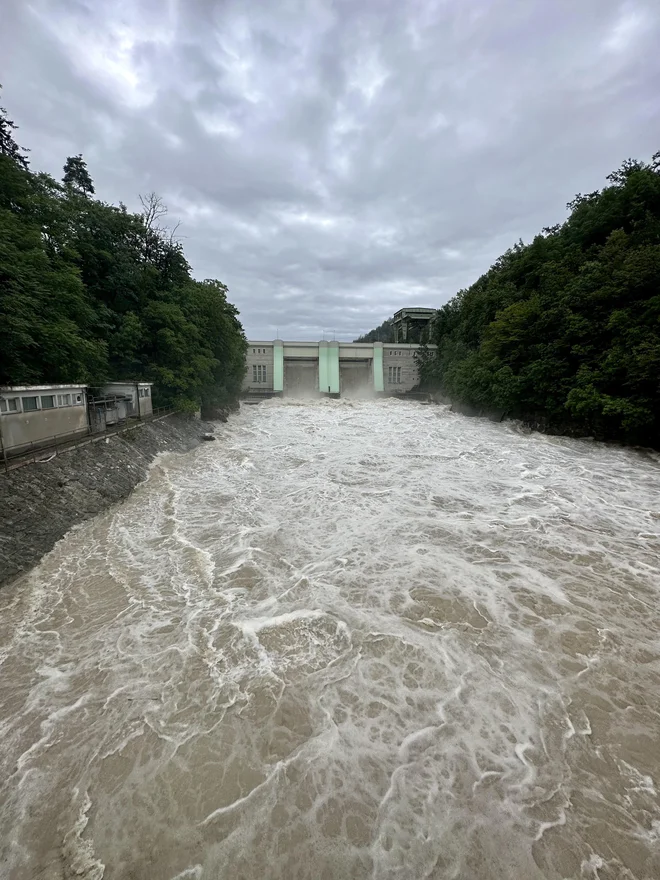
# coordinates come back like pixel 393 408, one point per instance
pixel 8 146
pixel 566 329
pixel 90 291
pixel 77 176
pixel 383 333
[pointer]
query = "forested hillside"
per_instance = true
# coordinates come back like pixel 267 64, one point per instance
pixel 90 291
pixel 383 333
pixel 565 331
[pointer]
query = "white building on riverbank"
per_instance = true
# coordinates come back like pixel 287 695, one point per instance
pixel 34 413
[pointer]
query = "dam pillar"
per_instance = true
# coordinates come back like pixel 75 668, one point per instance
pixel 278 366
pixel 324 382
pixel 379 386
pixel 333 367
pixel 329 368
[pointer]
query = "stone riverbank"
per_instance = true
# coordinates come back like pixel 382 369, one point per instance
pixel 41 501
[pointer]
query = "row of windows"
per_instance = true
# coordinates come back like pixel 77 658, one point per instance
pixel 144 392
pixel 259 373
pixel 259 351
pixel 35 403
pixel 398 353
pixel 394 375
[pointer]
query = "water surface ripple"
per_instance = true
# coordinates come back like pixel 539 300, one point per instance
pixel 363 639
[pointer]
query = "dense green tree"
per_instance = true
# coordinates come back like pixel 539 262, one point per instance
pixel 383 333
pixel 77 176
pixel 8 145
pixel 565 331
pixel 90 291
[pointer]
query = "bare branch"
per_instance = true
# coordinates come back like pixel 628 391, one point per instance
pixel 153 209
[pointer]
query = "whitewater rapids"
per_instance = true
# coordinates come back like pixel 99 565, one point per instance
pixel 349 639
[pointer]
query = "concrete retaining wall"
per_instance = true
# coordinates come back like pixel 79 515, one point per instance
pixel 40 502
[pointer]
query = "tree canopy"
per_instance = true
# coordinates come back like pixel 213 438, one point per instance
pixel 90 291
pixel 77 176
pixel 383 333
pixel 8 145
pixel 565 330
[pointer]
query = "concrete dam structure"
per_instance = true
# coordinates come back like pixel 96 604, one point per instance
pixel 335 369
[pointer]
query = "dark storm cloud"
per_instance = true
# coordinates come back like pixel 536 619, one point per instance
pixel 332 162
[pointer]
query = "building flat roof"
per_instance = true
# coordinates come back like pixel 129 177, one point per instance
pixel 126 382
pixel 414 310
pixel 24 388
pixel 336 342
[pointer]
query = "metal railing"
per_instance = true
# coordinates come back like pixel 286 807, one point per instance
pixel 49 447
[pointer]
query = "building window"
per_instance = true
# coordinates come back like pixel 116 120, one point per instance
pixel 394 375
pixel 64 400
pixel 30 404
pixel 77 400
pixel 47 401
pixel 147 392
pixel 11 405
pixel 254 351
pixel 259 373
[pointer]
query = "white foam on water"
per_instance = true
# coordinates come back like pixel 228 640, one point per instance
pixel 349 639
pixel 78 852
pixel 256 624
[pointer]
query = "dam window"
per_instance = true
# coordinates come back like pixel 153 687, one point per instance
pixel 47 401
pixel 64 400
pixel 394 375
pixel 259 373
pixel 30 404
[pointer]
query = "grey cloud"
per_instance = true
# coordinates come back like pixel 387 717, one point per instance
pixel 332 162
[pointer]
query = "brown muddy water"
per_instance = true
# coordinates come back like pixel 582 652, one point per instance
pixel 348 640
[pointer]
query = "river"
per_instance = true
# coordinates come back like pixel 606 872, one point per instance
pixel 349 639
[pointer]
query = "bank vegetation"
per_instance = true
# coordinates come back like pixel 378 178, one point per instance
pixel 91 291
pixel 564 332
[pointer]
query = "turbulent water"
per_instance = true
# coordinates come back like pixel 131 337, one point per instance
pixel 348 640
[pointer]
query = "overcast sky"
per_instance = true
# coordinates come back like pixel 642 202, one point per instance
pixel 332 162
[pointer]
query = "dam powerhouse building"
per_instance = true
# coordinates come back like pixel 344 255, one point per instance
pixel 303 369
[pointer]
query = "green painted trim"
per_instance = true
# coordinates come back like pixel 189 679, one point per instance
pixel 379 383
pixel 333 367
pixel 278 365
pixel 324 380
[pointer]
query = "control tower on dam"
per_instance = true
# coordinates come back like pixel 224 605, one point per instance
pixel 335 369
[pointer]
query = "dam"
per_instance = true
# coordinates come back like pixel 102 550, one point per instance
pixel 331 369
